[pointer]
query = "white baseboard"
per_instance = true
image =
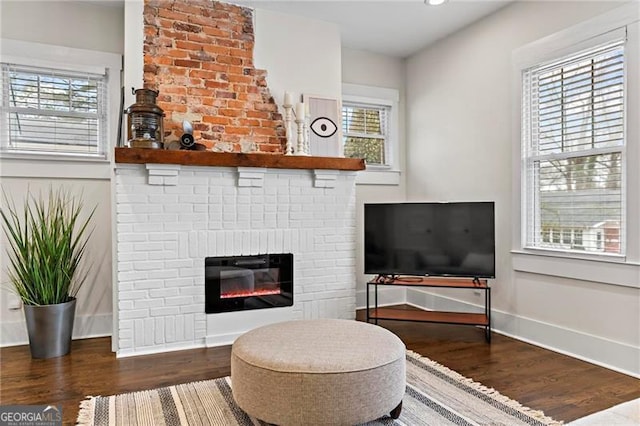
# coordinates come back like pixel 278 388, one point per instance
pixel 14 333
pixel 168 347
pixel 616 356
pixel 221 339
pixel 386 296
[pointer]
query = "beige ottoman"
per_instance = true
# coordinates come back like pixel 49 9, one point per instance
pixel 315 372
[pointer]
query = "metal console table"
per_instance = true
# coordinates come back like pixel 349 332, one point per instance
pixel 466 318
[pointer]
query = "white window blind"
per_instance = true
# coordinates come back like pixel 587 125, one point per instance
pixel 47 111
pixel 365 132
pixel 573 140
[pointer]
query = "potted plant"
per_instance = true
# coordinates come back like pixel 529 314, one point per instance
pixel 47 241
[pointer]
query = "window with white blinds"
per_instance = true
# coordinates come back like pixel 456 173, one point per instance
pixel 365 132
pixel 47 111
pixel 574 152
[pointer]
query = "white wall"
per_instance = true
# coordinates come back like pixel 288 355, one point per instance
pixel 459 147
pixel 300 55
pixel 85 26
pixel 370 69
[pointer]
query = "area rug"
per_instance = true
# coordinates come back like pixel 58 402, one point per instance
pixel 435 395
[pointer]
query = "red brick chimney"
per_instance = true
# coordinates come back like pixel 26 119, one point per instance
pixel 199 56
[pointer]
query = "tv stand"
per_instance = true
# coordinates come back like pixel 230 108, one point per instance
pixel 466 318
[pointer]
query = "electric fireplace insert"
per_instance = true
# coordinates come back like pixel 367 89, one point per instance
pixel 238 283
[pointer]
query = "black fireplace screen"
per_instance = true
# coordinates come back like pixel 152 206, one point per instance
pixel 239 283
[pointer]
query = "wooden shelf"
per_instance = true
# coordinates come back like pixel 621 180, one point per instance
pixel 436 282
pixel 466 318
pixel 429 316
pixel 232 159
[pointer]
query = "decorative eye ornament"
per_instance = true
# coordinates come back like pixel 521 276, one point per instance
pixel 324 127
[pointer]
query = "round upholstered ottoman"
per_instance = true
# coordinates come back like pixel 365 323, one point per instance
pixel 314 372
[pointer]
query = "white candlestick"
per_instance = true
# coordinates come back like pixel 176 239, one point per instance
pixel 300 113
pixel 300 123
pixel 288 120
pixel 288 99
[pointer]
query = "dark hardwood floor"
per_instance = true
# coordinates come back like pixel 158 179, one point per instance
pixel 563 387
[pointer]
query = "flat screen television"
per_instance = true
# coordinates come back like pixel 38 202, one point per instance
pixel 430 239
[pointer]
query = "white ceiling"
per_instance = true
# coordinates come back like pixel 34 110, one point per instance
pixel 393 27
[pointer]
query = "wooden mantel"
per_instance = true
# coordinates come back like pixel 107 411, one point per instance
pixel 232 159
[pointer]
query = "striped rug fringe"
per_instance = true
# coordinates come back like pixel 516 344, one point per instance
pixel 86 414
pixel 536 414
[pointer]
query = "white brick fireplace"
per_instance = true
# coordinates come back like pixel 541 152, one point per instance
pixel 170 217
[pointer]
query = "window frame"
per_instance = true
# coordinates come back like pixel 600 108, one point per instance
pixel 99 116
pixel 606 269
pixel 39 55
pixel 375 174
pixel 531 194
pixel 379 104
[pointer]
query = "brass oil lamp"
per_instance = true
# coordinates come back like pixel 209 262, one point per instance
pixel 145 126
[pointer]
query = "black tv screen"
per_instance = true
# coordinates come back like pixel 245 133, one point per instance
pixel 430 239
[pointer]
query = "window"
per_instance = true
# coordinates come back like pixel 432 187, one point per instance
pixel 370 117
pixel 577 239
pixel 365 132
pixel 58 105
pixel 50 111
pixel 574 149
pixel 592 171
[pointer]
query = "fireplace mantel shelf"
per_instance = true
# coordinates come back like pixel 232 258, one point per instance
pixel 230 159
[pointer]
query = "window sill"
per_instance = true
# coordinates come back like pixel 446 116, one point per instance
pixel 372 176
pixel 612 271
pixel 60 167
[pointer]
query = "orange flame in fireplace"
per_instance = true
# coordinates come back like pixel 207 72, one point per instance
pixel 249 293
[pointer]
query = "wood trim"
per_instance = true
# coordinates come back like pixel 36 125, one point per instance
pixel 232 159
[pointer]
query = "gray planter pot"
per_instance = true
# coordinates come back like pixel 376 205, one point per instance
pixel 50 328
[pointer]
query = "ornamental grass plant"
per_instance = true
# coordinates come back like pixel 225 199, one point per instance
pixel 47 241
